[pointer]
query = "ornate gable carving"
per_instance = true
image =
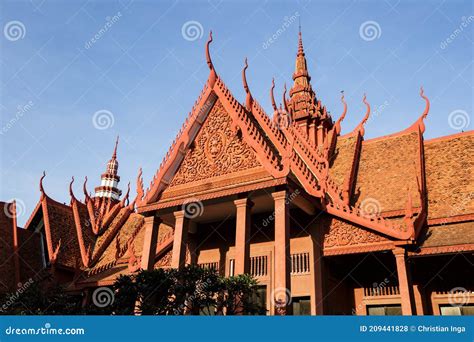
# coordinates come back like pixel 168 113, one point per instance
pixel 217 151
pixel 341 234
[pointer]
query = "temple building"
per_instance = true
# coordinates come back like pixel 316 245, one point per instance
pixel 327 223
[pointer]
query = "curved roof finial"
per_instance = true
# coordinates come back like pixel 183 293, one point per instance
pixel 140 190
pixel 125 198
pixel 343 115
pixel 285 105
pixel 84 188
pixel 360 127
pixel 212 74
pixel 427 106
pixel 43 193
pixel 249 99
pixel 272 96
pixel 71 192
pixel 208 55
pixel 367 113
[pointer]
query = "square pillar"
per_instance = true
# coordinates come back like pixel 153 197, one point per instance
pixel 181 228
pixel 281 295
pixel 403 281
pixel 152 224
pixel 242 236
pixel 316 272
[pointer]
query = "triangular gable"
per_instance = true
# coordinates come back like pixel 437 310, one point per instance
pixel 216 154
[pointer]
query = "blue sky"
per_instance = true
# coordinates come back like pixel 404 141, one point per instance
pixel 147 74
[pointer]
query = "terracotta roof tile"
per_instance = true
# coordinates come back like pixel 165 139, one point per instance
pixel 450 176
pixel 386 168
pixel 63 228
pixel 133 223
pixel 342 159
pixel 31 259
pixel 449 234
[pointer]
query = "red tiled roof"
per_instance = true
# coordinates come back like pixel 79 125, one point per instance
pixel 387 167
pixel 450 175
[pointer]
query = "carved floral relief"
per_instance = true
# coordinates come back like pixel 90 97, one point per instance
pixel 217 151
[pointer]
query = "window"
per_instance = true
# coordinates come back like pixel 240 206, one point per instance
pixel 384 310
pixel 231 267
pixel 448 310
pixel 301 306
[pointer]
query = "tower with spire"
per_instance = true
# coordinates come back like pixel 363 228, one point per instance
pixel 109 180
pixel 305 109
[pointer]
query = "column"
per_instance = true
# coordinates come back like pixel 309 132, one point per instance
pixel 181 227
pixel 282 289
pixel 242 235
pixel 317 272
pixel 403 282
pixel 152 224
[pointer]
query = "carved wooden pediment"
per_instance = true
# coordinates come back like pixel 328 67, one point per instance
pixel 217 150
pixel 340 234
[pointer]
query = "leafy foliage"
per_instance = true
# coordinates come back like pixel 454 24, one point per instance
pixel 189 291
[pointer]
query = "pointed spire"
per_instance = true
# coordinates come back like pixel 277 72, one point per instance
pixel 302 97
pixel 109 180
pixel 300 43
pixel 114 155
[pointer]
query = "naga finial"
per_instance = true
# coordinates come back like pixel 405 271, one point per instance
pixel 367 113
pixel 343 115
pixel 84 189
pixel 208 55
pixel 212 74
pixel 249 99
pixel 284 98
pixel 427 106
pixel 272 97
pixel 140 191
pixel 43 193
pixel 71 192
